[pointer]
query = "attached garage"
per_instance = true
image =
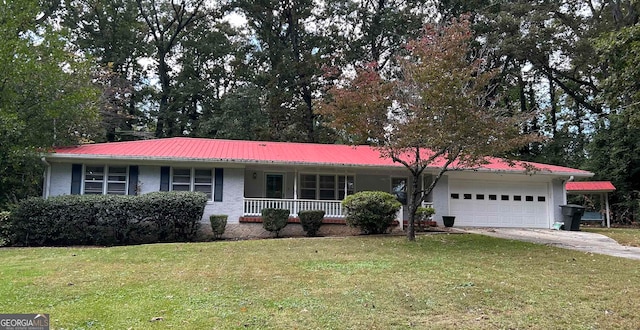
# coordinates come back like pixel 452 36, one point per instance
pixel 494 203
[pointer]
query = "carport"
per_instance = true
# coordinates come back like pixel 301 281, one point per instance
pixel 597 188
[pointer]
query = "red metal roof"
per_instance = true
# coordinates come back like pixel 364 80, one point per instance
pixel 590 186
pixel 216 150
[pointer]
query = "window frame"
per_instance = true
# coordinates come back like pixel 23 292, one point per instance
pixel 105 181
pixel 192 184
pixel 337 189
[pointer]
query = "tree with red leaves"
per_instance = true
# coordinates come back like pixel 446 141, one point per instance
pixel 441 112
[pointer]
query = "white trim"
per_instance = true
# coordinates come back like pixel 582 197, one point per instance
pixel 295 184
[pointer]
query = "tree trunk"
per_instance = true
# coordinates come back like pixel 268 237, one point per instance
pixel 553 112
pixel 414 202
pixel 165 84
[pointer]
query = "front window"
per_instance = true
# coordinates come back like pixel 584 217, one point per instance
pixel 117 180
pixel 308 186
pixel 190 179
pixel 94 180
pixel 326 187
pixel 274 185
pixel 399 189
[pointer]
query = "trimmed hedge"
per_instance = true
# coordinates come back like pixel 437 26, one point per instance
pixel 218 225
pixel 107 219
pixel 274 220
pixel 371 211
pixel 311 220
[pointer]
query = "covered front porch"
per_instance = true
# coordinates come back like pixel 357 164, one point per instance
pixel 319 188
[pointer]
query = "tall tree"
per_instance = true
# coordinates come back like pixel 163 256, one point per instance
pixel 545 51
pixel 288 58
pixel 441 113
pixel 46 96
pixel 365 31
pixel 614 154
pixel 111 32
pixel 621 70
pixel 212 55
pixel 168 23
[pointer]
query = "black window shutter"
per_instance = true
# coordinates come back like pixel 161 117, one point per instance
pixel 76 178
pixel 133 180
pixel 217 190
pixel 164 178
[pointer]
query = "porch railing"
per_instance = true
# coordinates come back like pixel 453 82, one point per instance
pixel 254 206
pixel 332 209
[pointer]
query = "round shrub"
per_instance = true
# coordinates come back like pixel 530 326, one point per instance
pixel 218 224
pixel 423 215
pixel 274 220
pixel 311 220
pixel 371 211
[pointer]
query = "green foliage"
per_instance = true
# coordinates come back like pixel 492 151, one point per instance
pixel 274 220
pixel 619 52
pixel 614 154
pixel 46 96
pixel 371 211
pixel 287 64
pixel 107 219
pixel 311 220
pixel 423 215
pixel 5 230
pixel 218 224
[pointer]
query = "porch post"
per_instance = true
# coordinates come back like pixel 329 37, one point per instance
pixel 606 203
pixel 345 185
pixel 295 192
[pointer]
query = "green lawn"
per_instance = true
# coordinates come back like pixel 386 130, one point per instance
pixel 624 236
pixel 440 281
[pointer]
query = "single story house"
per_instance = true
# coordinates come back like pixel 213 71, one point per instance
pixel 243 177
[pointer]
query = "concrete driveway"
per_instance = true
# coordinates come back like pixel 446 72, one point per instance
pixel 574 240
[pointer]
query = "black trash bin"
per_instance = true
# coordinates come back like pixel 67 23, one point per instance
pixel 571 215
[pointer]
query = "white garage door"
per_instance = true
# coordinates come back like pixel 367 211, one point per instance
pixel 499 204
